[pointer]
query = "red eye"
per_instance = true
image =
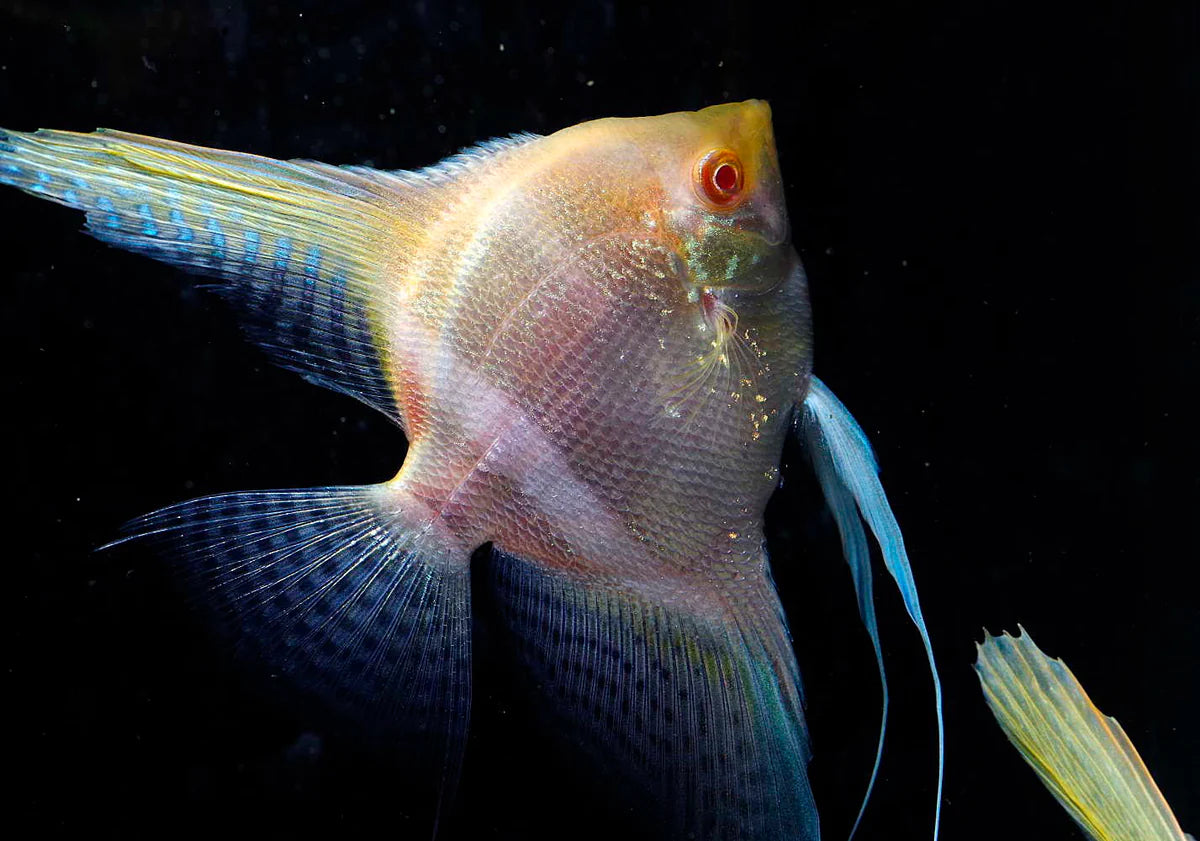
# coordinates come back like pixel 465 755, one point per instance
pixel 720 178
pixel 726 178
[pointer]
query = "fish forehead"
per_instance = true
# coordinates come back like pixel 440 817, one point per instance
pixel 747 124
pixel 588 180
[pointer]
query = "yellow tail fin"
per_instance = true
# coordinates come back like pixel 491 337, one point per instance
pixel 1082 756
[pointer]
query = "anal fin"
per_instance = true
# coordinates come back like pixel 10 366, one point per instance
pixel 347 594
pixel 691 711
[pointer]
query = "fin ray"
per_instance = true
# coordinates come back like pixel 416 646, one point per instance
pixel 346 594
pixel 293 243
pixel 696 711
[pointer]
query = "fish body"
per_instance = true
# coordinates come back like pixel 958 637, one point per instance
pixel 596 343
pixel 561 364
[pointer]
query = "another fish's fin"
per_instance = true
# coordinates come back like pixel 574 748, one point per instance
pixel 847 472
pixel 351 594
pixel 296 244
pixel 1081 755
pixel 703 714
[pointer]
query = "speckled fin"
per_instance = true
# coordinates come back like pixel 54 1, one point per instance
pixel 294 244
pixel 1081 755
pixel 346 595
pixel 849 477
pixel 703 718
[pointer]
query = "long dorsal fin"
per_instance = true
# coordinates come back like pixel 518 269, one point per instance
pixel 306 251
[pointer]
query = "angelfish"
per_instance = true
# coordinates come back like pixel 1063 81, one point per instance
pixel 596 343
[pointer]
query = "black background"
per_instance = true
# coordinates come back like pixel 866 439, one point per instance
pixel 996 206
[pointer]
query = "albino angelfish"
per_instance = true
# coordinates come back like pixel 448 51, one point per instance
pixel 596 343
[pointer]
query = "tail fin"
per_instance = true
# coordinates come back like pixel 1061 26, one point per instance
pixel 295 244
pixel 1082 756
pixel 348 593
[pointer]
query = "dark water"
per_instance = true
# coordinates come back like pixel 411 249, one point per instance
pixel 996 209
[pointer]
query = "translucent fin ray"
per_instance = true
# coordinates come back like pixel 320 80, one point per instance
pixel 1082 756
pixel 295 244
pixel 847 470
pixel 343 593
pixel 694 711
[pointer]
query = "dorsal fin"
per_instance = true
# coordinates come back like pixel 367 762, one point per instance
pixel 305 250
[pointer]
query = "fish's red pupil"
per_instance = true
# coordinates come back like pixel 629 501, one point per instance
pixel 726 178
pixel 719 179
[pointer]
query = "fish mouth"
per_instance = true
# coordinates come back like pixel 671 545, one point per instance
pixel 718 304
pixel 772 227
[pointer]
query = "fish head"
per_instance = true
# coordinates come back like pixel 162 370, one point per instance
pixel 717 173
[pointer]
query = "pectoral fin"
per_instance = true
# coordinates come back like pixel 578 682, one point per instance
pixel 1081 755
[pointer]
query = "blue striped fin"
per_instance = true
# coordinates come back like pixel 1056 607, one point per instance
pixel 296 244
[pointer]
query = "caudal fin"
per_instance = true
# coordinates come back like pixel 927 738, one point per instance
pixel 1082 756
pixel 347 593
